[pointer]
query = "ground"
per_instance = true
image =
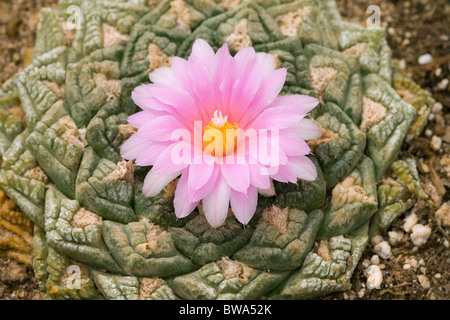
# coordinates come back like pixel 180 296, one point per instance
pixel 414 28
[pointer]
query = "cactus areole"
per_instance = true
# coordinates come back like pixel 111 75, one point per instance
pixel 206 149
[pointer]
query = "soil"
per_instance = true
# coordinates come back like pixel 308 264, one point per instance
pixel 414 28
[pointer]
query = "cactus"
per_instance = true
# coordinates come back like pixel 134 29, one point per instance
pixel 64 118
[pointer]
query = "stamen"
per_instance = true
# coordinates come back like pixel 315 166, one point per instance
pixel 219 120
pixel 219 136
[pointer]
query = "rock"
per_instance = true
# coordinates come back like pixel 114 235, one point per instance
pixel 410 221
pixel 374 277
pixel 442 85
pixel 361 293
pixel 383 249
pixel 424 281
pixel 425 58
pixel 443 215
pixel 420 234
pixel 436 143
pixel 376 240
pixel 375 259
pixel 395 237
pixel 437 107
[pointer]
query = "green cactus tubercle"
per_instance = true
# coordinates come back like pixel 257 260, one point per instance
pixel 64 118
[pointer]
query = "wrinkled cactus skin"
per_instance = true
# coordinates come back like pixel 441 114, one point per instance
pixel 64 118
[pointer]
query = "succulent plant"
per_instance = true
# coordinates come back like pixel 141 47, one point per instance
pixel 64 118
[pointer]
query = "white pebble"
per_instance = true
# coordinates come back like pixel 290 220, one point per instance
pixel 428 133
pixel 438 72
pixel 420 234
pixel 410 221
pixel 437 107
pixel 436 143
pixel 374 277
pixel 406 266
pixel 365 263
pixel 383 249
pixel 431 117
pixel 425 58
pixel 437 275
pixel 375 259
pixel 361 293
pixel 442 85
pixel 424 282
pixel 395 237
pixel 446 243
pixel 414 263
pixel 376 240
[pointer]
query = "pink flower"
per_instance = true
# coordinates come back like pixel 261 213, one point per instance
pixel 217 122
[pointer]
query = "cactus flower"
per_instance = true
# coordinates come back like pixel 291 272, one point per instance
pixel 218 123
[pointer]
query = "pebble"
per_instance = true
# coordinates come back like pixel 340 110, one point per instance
pixel 436 143
pixel 374 277
pixel 376 240
pixel 443 215
pixel 383 249
pixel 395 237
pixel 437 107
pixel 361 293
pixel 431 117
pixel 410 221
pixel 442 85
pixel 406 266
pixel 428 133
pixel 425 58
pixel 375 259
pixel 365 263
pixel 437 275
pixel 414 263
pixel 420 234
pixel 446 243
pixel 438 72
pixel 424 282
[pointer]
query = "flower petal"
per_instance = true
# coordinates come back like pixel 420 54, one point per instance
pixel 148 156
pixel 154 183
pixel 292 144
pixel 144 97
pixel 304 103
pixel 258 179
pixel 237 176
pixel 244 204
pixel 308 129
pixel 269 89
pixel 216 204
pixel 203 52
pixel 182 203
pixel 285 174
pixel 202 192
pixel 162 75
pixel 277 118
pixel 199 174
pixel 160 128
pixel 304 168
pixel 165 163
pixel 134 146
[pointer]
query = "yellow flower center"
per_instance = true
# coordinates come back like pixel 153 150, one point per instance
pixel 219 136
